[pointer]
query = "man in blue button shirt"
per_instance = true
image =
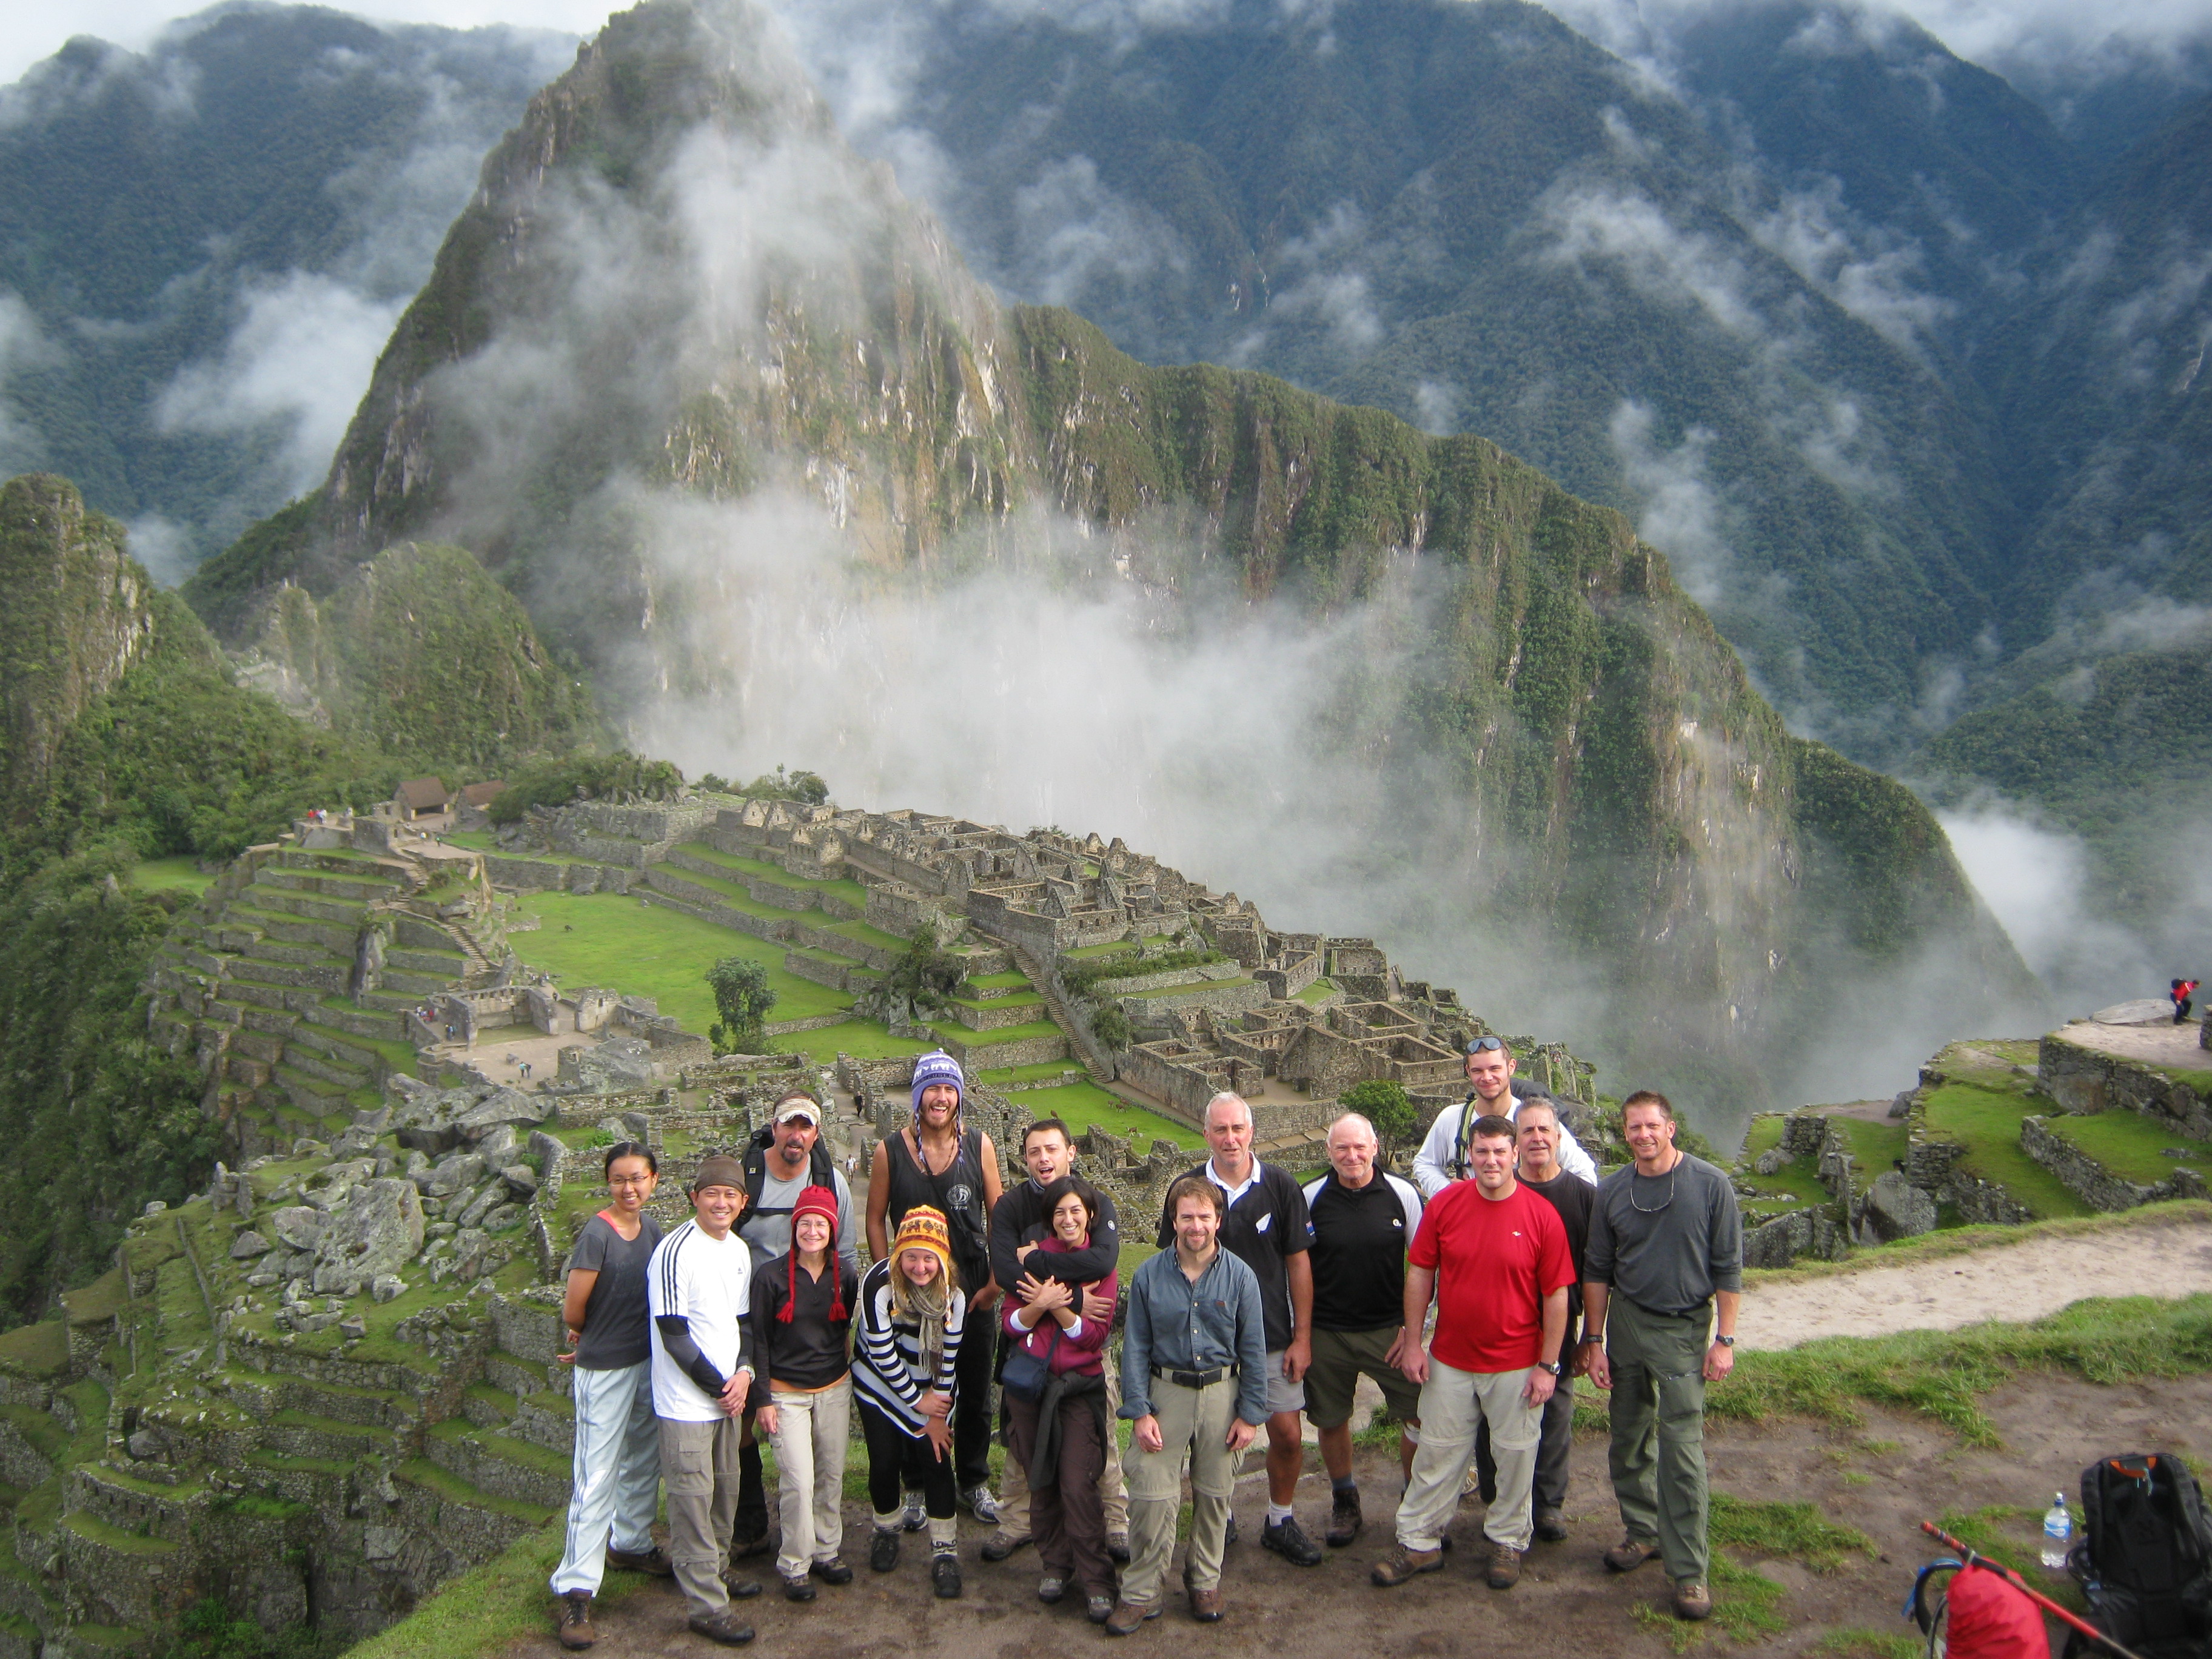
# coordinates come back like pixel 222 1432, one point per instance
pixel 1194 1379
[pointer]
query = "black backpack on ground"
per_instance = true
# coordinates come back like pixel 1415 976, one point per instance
pixel 2145 1561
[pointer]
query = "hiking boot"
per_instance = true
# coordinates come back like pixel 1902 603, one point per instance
pixel 913 1518
pixel 1099 1609
pixel 1125 1619
pixel 1550 1527
pixel 1504 1566
pixel 1402 1564
pixel 744 1546
pixel 572 1619
pixel 1117 1548
pixel 883 1549
pixel 721 1625
pixel 998 1547
pixel 944 1575
pixel 741 1588
pixel 1288 1540
pixel 801 1588
pixel 831 1571
pixel 1049 1591
pixel 1693 1602
pixel 652 1559
pixel 1344 1521
pixel 1629 1554
pixel 1230 1537
pixel 1205 1606
pixel 979 1502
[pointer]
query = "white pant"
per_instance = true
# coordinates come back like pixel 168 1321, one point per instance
pixel 617 1474
pixel 1453 1402
pixel 810 1441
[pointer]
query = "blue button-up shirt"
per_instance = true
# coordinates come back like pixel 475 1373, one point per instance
pixel 1176 1325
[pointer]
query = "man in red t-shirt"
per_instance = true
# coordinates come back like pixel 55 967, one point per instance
pixel 1495 1257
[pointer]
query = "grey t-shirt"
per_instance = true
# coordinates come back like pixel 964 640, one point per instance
pixel 614 1333
pixel 1666 1242
pixel 766 1224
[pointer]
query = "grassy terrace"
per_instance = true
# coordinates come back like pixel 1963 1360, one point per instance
pixel 1119 947
pixel 1988 1122
pixel 955 1032
pixel 153 875
pixel 851 891
pixel 2130 1145
pixel 1079 1105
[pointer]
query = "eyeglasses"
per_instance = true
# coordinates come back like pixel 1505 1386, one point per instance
pixel 631 1181
pixel 1484 1045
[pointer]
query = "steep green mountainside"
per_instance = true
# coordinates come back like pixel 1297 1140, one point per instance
pixel 255 192
pixel 1570 739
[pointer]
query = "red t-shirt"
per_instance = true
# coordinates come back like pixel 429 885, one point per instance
pixel 1495 1260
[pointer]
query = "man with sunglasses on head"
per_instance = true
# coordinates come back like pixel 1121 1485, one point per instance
pixel 1661 1279
pixel 1444 1157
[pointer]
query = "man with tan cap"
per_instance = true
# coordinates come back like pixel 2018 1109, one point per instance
pixel 698 1290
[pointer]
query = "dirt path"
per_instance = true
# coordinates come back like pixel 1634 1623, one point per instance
pixel 2015 1282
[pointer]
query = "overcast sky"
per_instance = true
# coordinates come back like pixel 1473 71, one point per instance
pixel 1984 31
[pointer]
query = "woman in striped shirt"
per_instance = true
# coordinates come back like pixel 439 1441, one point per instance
pixel 912 1311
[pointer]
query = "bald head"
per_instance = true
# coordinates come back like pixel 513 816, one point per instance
pixel 1351 1148
pixel 1229 1134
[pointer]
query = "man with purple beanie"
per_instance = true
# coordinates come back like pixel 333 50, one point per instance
pixel 938 1161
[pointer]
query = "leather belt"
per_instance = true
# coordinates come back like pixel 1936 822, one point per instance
pixel 1196 1379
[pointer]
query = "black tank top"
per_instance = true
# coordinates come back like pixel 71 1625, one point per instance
pixel 958 1192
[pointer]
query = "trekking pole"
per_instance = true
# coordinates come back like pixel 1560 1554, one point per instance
pixel 1972 1559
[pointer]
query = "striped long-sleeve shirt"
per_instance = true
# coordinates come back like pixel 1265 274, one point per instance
pixel 887 1368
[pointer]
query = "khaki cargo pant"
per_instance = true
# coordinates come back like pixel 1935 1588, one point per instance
pixel 1193 1421
pixel 699 1466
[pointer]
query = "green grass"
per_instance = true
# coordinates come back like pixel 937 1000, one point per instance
pixel 153 875
pixel 1988 1123
pixel 1797 1530
pixel 479 841
pixel 1320 991
pixel 2130 1145
pixel 1079 1105
pixel 650 950
pixel 2011 1535
pixel 1877 1147
pixel 863 1039
pixel 851 891
pixel 1869 1645
pixel 1799 1178
pixel 1038 1073
pixel 1118 947
pixel 949 1031
pixel 998 983
pixel 40 1349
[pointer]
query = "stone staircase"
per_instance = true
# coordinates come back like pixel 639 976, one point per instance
pixel 1081 1044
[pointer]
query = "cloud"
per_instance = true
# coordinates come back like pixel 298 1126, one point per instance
pixel 1810 229
pixel 1589 222
pixel 165 549
pixel 1437 406
pixel 23 345
pixel 1681 512
pixel 1074 232
pixel 297 360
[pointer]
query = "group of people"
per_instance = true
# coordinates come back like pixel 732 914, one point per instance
pixel 1472 1295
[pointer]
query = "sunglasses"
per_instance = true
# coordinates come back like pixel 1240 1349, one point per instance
pixel 1484 1045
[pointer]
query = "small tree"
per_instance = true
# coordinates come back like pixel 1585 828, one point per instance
pixel 1111 1027
pixel 1384 1103
pixel 743 999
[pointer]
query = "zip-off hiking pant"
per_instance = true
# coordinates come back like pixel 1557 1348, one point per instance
pixel 810 1436
pixel 699 1461
pixel 1453 1403
pixel 1194 1421
pixel 1658 1457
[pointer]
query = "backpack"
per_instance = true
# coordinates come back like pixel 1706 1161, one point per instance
pixel 821 1170
pixel 2145 1563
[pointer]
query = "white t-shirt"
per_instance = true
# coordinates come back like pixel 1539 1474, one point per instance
pixel 709 1281
pixel 1432 1170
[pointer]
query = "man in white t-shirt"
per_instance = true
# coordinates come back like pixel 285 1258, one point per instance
pixel 1443 1156
pixel 698 1288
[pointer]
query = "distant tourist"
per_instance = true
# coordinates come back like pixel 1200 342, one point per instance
pixel 616 1481
pixel 1195 1382
pixel 1363 1219
pixel 1494 1258
pixel 700 1290
pixel 1055 1390
pixel 939 1161
pixel 781 1161
pixel 802 1334
pixel 1264 1223
pixel 1022 1215
pixel 913 1319
pixel 1662 1278
pixel 2180 991
pixel 1442 1158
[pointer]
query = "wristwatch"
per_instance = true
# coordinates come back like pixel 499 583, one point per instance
pixel 1550 1366
pixel 1725 1341
pixel 1591 1341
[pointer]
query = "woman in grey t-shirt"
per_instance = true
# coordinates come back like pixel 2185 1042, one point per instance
pixel 617 1467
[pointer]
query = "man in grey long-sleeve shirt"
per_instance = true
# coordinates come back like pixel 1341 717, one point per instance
pixel 1664 1268
pixel 1194 1379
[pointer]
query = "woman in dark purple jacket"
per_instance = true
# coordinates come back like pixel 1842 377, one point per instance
pixel 1060 1432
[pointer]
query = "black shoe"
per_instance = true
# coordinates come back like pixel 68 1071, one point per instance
pixel 1550 1527
pixel 832 1571
pixel 1344 1519
pixel 1117 1548
pixel 801 1588
pixel 998 1547
pixel 1288 1540
pixel 944 1575
pixel 744 1544
pixel 883 1549
pixel 740 1588
pixel 1230 1537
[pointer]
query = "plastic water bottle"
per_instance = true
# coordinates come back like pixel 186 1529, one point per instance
pixel 2057 1534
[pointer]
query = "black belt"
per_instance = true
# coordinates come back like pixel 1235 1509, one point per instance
pixel 1195 1379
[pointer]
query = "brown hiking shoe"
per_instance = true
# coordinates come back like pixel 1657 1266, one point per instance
pixel 1125 1619
pixel 1504 1566
pixel 654 1561
pixel 1402 1564
pixel 572 1619
pixel 721 1625
pixel 1629 1554
pixel 1693 1602
pixel 1205 1606
pixel 1343 1520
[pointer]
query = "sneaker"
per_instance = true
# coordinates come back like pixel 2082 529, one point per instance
pixel 572 1619
pixel 1402 1564
pixel 1693 1602
pixel 1550 1527
pixel 1125 1619
pixel 1629 1554
pixel 979 1502
pixel 1344 1519
pixel 1099 1609
pixel 1049 1591
pixel 998 1547
pixel 1117 1548
pixel 653 1559
pixel 832 1570
pixel 721 1625
pixel 1504 1566
pixel 914 1518
pixel 801 1588
pixel 944 1575
pixel 1288 1540
pixel 883 1549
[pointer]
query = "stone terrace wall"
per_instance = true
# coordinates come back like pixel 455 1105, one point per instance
pixel 2091 1181
pixel 2084 1079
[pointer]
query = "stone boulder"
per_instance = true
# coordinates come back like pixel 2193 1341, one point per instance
pixel 248 1245
pixel 299 1226
pixel 379 1232
pixel 1770 1162
pixel 508 1106
pixel 1895 1208
pixel 2142 1010
pixel 387 1287
pixel 521 1180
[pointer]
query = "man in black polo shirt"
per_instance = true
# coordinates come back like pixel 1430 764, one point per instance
pixel 1537 1149
pixel 1266 1227
pixel 1363 1218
